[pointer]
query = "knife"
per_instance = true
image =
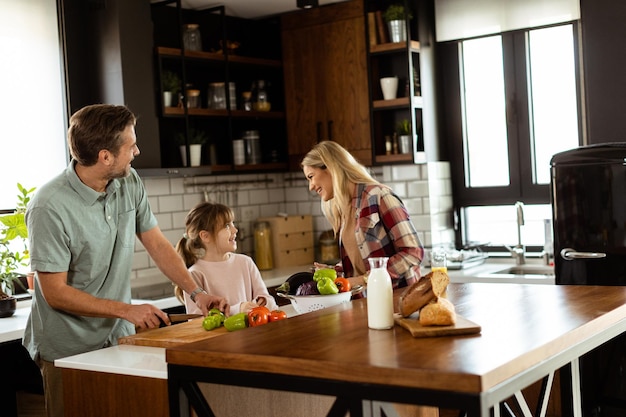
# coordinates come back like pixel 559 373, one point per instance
pixel 177 318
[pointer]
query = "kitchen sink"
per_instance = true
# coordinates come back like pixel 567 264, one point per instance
pixel 534 271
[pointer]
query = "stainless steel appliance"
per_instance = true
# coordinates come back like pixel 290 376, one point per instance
pixel 588 193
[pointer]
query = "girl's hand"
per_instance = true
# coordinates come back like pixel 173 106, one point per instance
pixel 247 306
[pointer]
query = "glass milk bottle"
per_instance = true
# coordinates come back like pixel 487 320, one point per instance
pixel 379 295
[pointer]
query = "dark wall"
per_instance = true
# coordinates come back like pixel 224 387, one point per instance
pixel 604 55
pixel 110 60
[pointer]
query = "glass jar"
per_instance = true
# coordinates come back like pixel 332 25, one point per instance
pixel 193 98
pixel 253 146
pixel 217 96
pixel 192 40
pixel 247 100
pixel 263 246
pixel 329 247
pixel 261 100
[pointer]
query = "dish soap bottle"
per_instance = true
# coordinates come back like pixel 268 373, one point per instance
pixel 379 295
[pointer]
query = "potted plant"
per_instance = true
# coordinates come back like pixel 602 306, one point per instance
pixel 403 130
pixel 13 251
pixel 197 138
pixel 171 87
pixel 396 16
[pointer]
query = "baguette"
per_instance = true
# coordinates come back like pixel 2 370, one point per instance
pixel 427 289
pixel 438 313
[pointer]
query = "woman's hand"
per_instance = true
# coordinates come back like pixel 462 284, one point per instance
pixel 358 280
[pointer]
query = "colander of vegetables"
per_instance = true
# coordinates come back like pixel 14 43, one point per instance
pixel 310 292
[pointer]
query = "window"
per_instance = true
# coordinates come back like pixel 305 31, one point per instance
pixel 33 104
pixel 519 105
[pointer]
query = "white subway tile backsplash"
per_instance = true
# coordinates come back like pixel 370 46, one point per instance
pixel 414 206
pixel 164 220
pixel 417 188
pixel 399 188
pixel 259 196
pixel 171 203
pixel 276 195
pixel 174 235
pixel 297 194
pixel 421 222
pixel 424 188
pixel 178 220
pixel 191 200
pixel 405 172
pixel 157 186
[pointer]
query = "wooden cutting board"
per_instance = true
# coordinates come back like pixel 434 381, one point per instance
pixel 462 326
pixel 177 334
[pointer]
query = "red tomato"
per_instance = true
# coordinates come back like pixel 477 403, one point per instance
pixel 258 316
pixel 343 284
pixel 276 315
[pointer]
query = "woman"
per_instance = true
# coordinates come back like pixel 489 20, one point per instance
pixel 370 220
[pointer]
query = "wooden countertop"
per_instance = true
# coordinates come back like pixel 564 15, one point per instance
pixel 522 326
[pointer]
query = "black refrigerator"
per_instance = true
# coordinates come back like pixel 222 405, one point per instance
pixel 588 196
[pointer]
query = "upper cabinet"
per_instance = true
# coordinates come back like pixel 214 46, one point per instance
pixel 405 112
pixel 219 88
pixel 326 81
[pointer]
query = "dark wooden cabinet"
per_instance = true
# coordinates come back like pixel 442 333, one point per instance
pixel 257 57
pixel 388 57
pixel 326 84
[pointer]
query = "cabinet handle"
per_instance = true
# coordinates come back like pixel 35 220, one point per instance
pixel 570 254
pixel 330 130
pixel 319 132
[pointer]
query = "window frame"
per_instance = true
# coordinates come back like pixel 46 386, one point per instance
pixel 521 187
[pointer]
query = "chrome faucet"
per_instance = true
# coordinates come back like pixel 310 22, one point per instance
pixel 518 252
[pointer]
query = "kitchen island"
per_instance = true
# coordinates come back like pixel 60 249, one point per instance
pixel 127 369
pixel 528 332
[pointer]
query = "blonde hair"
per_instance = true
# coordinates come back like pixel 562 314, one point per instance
pixel 344 170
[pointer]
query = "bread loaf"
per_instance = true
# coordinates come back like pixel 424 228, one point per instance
pixel 438 313
pixel 427 289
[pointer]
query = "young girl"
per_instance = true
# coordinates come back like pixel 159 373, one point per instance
pixel 208 249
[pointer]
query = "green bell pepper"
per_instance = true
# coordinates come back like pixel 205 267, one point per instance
pixel 236 322
pixel 211 322
pixel 324 273
pixel 218 313
pixel 327 286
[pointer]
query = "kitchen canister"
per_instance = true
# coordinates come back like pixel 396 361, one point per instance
pixel 217 96
pixel 239 152
pixel 193 98
pixel 253 146
pixel 232 94
pixel 329 247
pixel 379 295
pixel 263 246
pixel 191 37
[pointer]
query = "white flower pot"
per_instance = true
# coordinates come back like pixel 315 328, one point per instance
pixel 195 152
pixel 389 87
pixel 167 99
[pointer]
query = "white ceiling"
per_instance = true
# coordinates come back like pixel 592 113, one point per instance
pixel 249 9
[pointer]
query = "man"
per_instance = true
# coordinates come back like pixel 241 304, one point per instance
pixel 82 227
